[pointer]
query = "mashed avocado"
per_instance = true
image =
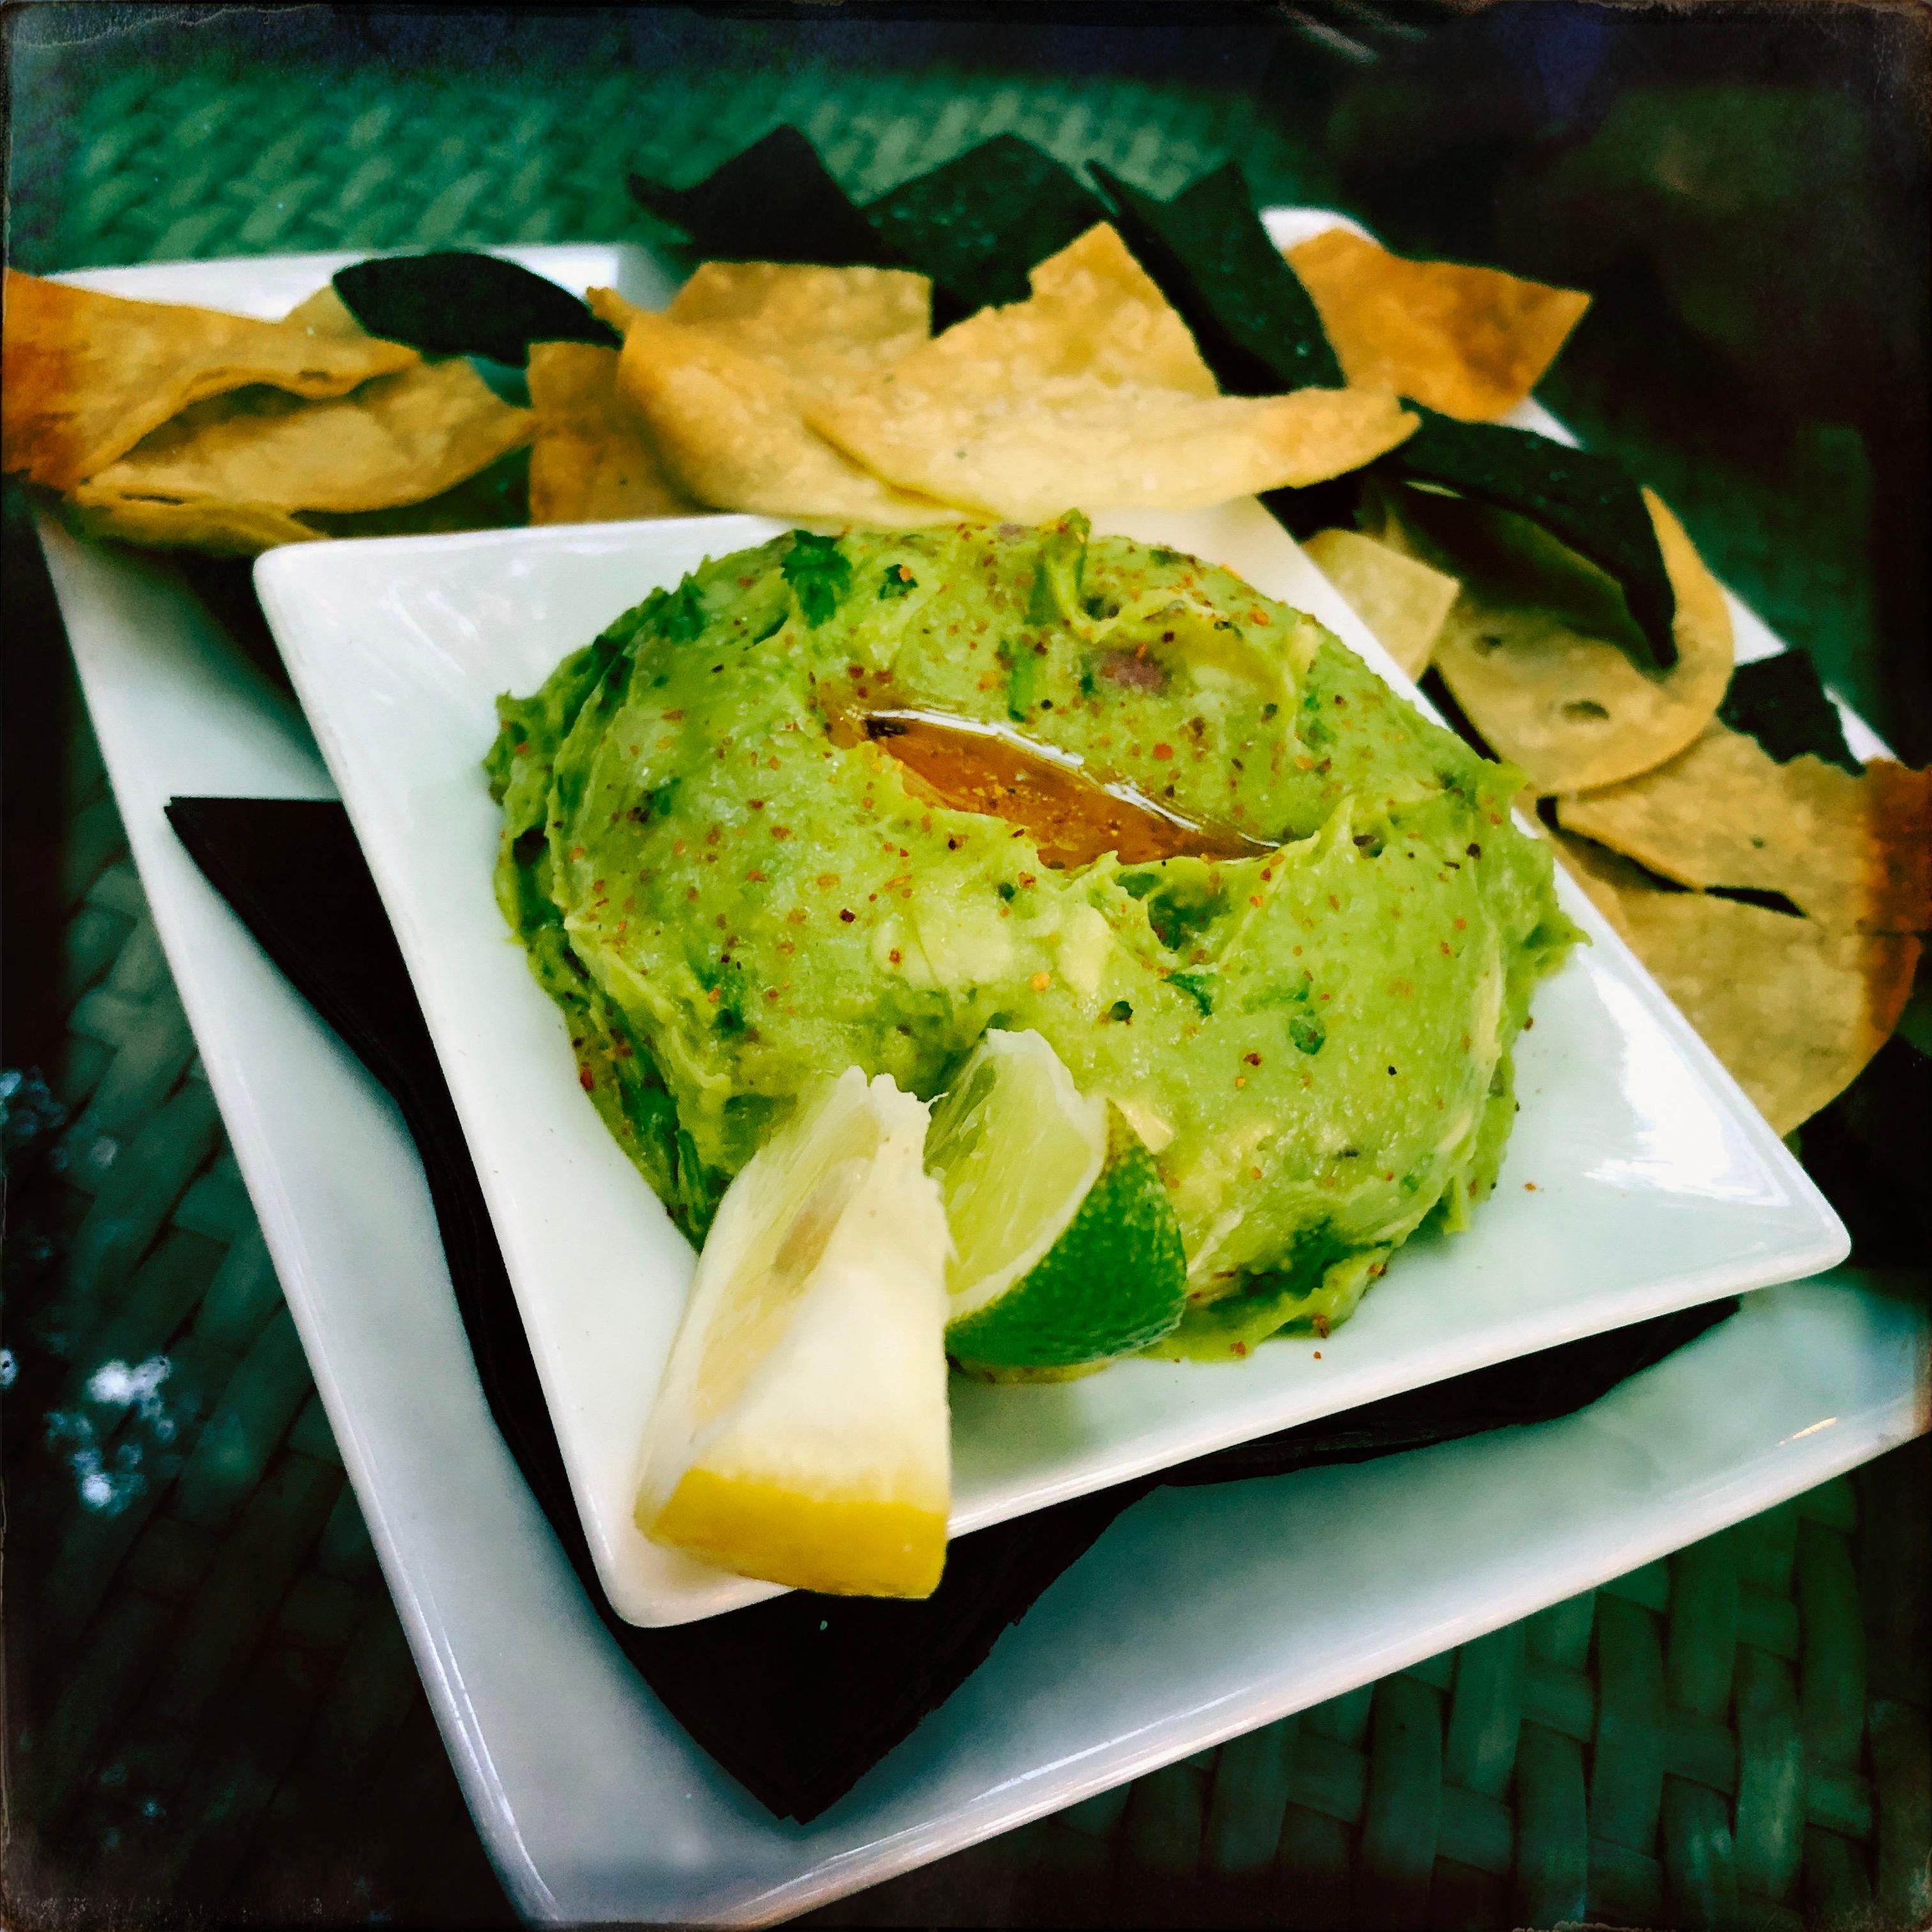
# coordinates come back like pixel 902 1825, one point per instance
pixel 731 884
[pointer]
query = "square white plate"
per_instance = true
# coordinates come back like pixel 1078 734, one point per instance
pixel 1639 1179
pixel 1186 1624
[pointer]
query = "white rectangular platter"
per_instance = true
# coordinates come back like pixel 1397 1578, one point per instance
pixel 1186 1624
pixel 1638 1180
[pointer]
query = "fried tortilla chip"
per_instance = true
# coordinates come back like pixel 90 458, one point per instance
pixel 1604 875
pixel 593 460
pixel 1471 342
pixel 1092 391
pixel 1794 1009
pixel 1541 653
pixel 827 328
pixel 1402 600
pixel 731 424
pixel 87 376
pixel 396 439
pixel 219 528
pixel 1852 852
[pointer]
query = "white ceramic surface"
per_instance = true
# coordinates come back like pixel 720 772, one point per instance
pixel 1638 1178
pixel 1185 1625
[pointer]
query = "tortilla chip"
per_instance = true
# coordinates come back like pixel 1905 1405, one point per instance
pixel 219 528
pixel 593 460
pixel 1402 600
pixel 731 429
pixel 496 498
pixel 1793 1008
pixel 1471 342
pixel 399 439
pixel 1541 653
pixel 611 308
pixel 828 329
pixel 1604 875
pixel 1852 852
pixel 1092 392
pixel 87 377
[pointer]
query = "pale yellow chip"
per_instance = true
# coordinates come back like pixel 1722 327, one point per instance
pixel 397 439
pixel 1541 653
pixel 1471 342
pixel 827 328
pixel 731 429
pixel 220 529
pixel 1848 851
pixel 86 376
pixel 1092 392
pixel 1401 600
pixel 1793 1008
pixel 593 460
pixel 1604 875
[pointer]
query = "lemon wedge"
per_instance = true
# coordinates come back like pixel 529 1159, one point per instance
pixel 801 1434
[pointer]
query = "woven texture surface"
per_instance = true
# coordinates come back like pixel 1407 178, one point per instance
pixel 218 1710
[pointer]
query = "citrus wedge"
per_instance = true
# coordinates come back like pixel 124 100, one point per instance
pixel 801 1434
pixel 1065 1251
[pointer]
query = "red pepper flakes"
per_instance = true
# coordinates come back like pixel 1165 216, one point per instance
pixel 848 917
pixel 586 1078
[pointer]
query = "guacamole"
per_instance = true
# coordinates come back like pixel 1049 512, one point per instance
pixel 731 884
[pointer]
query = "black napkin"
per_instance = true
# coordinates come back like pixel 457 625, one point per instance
pixel 797 1697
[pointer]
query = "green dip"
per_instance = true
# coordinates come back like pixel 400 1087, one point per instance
pixel 729 894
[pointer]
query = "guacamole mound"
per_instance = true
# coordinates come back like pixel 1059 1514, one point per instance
pixel 731 885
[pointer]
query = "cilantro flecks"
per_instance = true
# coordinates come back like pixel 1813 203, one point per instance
pixel 681 619
pixel 1256 326
pixel 896 582
pixel 819 571
pixel 1196 986
pixel 455 302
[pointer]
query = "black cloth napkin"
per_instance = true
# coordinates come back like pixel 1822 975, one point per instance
pixel 798 1697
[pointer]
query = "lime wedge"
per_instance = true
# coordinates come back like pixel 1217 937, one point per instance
pixel 801 1433
pixel 1065 1251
